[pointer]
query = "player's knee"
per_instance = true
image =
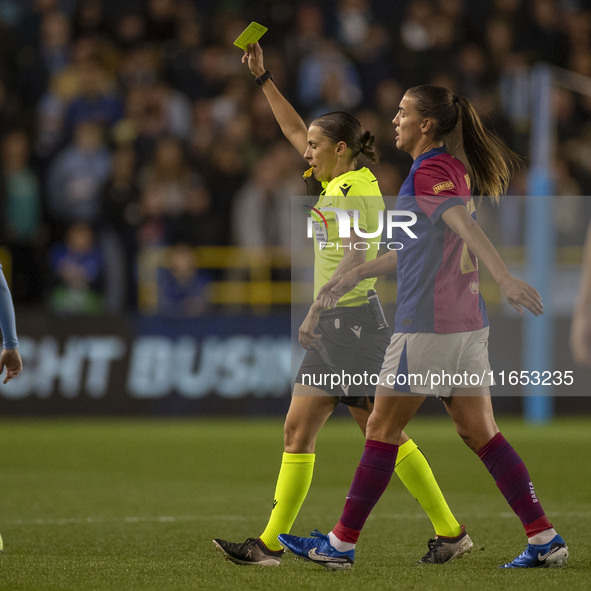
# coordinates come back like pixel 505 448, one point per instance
pixel 468 438
pixel 475 437
pixel 297 439
pixel 380 429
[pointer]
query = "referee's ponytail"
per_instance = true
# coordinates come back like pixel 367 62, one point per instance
pixel 343 127
pixel 490 160
pixel 368 147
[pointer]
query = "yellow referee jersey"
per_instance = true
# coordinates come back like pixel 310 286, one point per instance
pixel 351 192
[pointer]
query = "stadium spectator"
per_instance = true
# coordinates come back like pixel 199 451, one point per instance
pixel 89 19
pixel 204 130
pixel 53 133
pixel 154 112
pixel 11 114
pixel 76 176
pixel 181 59
pixel 261 211
pixel 21 215
pixel 225 174
pixel 139 66
pixel 328 80
pixel 169 169
pixel 120 193
pixel 46 57
pixel 161 20
pixel 154 225
pixel 96 100
pixel 353 19
pixel 196 223
pixel 30 24
pixel 182 285
pixel 544 36
pixel 120 216
pixel 129 29
pixel 49 132
pixel 78 267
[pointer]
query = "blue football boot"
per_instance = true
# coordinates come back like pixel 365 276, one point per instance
pixel 319 550
pixel 552 554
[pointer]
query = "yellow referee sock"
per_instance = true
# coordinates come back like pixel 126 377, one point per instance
pixel 292 487
pixel 415 473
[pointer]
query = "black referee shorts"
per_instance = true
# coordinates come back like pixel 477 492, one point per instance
pixel 350 352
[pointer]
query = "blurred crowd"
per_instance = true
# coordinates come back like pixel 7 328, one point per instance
pixel 127 125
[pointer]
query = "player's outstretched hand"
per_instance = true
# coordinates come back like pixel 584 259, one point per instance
pixel 522 295
pixel 11 360
pixel 253 56
pixel 326 297
pixel 330 293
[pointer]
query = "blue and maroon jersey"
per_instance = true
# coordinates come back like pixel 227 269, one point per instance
pixel 438 284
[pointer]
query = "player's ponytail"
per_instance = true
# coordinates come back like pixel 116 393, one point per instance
pixel 343 127
pixel 489 160
pixel 492 162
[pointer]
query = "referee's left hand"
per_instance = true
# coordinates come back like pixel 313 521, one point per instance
pixel 253 56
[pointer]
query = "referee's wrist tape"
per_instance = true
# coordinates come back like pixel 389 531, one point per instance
pixel 266 75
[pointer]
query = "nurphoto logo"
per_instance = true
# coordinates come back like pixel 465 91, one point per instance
pixel 388 220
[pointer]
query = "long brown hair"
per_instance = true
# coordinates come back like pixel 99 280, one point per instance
pixel 490 160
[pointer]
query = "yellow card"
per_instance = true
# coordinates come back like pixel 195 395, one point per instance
pixel 251 34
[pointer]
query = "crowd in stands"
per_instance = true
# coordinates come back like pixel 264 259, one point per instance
pixel 126 125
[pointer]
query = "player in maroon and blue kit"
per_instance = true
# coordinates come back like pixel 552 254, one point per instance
pixel 435 272
pixel 441 324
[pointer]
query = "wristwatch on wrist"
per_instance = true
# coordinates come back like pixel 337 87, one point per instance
pixel 266 75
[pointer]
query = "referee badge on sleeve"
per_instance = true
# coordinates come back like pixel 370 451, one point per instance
pixel 320 233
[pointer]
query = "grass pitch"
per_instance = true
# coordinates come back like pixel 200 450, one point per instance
pixel 134 505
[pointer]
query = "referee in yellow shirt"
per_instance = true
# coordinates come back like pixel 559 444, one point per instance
pixel 346 338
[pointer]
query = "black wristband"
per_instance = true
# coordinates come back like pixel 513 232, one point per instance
pixel 266 75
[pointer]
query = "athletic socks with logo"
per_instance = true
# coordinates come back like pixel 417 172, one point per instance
pixel 415 473
pixel 513 480
pixel 370 481
pixel 292 487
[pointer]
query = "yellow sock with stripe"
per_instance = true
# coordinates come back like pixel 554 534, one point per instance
pixel 416 475
pixel 292 487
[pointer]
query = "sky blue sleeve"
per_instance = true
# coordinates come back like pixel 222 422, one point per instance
pixel 7 318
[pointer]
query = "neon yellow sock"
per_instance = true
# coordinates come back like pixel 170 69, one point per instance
pixel 415 473
pixel 292 487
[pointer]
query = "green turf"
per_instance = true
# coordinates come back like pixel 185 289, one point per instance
pixel 133 505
